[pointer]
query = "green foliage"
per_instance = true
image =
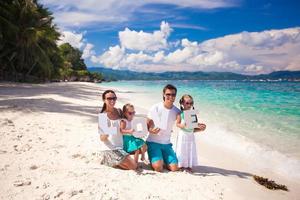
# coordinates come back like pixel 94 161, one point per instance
pixel 82 73
pixel 96 76
pixel 66 71
pixel 28 41
pixel 111 75
pixel 74 68
pixel 72 55
pixel 28 48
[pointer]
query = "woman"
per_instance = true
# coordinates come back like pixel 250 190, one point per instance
pixel 112 153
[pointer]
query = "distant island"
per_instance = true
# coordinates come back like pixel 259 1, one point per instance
pixel 114 75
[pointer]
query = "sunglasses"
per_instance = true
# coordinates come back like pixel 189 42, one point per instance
pixel 131 113
pixel 111 98
pixel 189 103
pixel 170 94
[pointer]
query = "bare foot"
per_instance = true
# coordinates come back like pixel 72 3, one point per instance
pixel 189 170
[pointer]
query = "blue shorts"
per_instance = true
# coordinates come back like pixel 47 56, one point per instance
pixel 164 152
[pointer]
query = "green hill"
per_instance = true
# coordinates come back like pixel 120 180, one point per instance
pixel 111 75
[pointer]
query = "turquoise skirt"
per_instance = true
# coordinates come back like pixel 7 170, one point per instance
pixel 131 143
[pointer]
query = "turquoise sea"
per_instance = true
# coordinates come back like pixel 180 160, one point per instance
pixel 265 113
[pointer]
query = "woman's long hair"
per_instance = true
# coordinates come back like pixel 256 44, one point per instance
pixel 103 98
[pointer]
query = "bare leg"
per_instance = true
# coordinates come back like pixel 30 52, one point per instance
pixel 123 166
pixel 128 163
pixel 136 156
pixel 142 156
pixel 143 151
pixel 157 166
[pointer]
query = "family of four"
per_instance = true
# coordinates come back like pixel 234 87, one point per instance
pixel 116 148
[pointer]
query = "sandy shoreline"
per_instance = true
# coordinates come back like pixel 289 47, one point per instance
pixel 48 150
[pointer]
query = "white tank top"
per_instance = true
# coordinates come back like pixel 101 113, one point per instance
pixel 114 141
pixel 128 123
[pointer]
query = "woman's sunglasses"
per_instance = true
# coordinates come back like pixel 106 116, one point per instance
pixel 111 98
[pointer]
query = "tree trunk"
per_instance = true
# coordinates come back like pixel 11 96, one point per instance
pixel 29 71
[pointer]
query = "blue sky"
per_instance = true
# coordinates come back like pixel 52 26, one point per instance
pixel 249 37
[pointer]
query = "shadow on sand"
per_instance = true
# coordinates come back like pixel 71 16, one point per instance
pixel 213 171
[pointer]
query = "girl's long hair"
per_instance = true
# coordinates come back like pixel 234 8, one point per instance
pixel 181 101
pixel 103 98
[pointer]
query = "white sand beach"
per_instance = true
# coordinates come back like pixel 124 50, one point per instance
pixel 49 144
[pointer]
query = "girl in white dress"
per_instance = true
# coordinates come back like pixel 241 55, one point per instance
pixel 186 145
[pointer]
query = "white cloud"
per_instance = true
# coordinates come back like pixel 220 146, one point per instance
pixel 88 51
pixel 135 59
pixel 249 53
pixel 268 39
pixel 175 44
pixel 207 59
pixel 69 13
pixel 181 55
pixel 256 69
pixel 271 50
pixel 74 39
pixel 194 56
pixel 294 63
pixel 165 29
pixel 113 57
pixel 83 19
pixel 158 57
pixel 77 40
pixel 143 41
pixel 189 26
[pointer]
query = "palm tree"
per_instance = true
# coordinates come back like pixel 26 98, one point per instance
pixel 28 40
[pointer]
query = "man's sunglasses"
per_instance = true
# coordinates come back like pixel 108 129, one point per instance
pixel 170 94
pixel 111 98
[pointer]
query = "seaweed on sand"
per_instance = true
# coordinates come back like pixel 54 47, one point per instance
pixel 269 183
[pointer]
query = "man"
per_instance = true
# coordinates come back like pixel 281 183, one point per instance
pixel 160 149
